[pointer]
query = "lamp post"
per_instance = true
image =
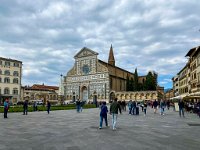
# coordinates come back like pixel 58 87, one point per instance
pixel 60 90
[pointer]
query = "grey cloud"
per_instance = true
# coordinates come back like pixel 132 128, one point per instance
pixel 150 34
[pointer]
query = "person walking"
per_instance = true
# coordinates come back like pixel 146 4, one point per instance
pixel 130 106
pixel 6 107
pixel 25 107
pixel 134 108
pixel 48 106
pixel 81 105
pixel 181 107
pixel 145 108
pixel 103 115
pixel 162 107
pixel 155 106
pixel 114 112
pixel 168 104
pixel 78 103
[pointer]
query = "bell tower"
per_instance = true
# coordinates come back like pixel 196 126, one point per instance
pixel 111 59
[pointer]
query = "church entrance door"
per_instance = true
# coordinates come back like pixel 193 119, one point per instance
pixel 84 94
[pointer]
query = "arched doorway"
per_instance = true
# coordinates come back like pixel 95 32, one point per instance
pixel 112 96
pixel 84 93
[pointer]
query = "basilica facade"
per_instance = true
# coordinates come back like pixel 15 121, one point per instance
pixel 92 79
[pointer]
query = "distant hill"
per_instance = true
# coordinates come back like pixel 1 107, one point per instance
pixel 166 90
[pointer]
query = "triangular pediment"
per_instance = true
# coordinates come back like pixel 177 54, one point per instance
pixel 84 52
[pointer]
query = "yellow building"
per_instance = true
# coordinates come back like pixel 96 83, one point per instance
pixel 10 79
pixel 186 83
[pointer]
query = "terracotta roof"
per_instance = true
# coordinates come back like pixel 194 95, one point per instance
pixel 42 87
pixel 38 86
pixel 191 51
pixel 106 64
pixel 9 59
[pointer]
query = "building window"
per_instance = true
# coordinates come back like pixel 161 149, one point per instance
pixel 0 71
pixel 7 63
pixel 6 80
pixel 194 75
pixel 15 91
pixel 0 80
pixel 0 90
pixel 111 82
pixel 1 62
pixel 16 64
pixel 6 91
pixel 15 73
pixel 15 80
pixel 7 72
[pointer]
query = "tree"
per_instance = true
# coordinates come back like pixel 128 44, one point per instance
pixel 150 83
pixel 127 83
pixel 132 88
pixel 136 88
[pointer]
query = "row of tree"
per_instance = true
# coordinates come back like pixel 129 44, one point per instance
pixel 150 84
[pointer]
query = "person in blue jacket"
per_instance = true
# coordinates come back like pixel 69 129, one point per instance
pixel 6 107
pixel 103 115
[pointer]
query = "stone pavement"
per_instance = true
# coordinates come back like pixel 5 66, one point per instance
pixel 68 130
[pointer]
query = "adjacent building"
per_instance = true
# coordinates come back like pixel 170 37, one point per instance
pixel 169 94
pixel 40 92
pixel 186 84
pixel 10 80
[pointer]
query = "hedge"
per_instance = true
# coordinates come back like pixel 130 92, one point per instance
pixel 44 108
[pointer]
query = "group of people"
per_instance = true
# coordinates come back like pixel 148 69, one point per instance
pixel 25 107
pixel 79 105
pixel 114 109
pixel 116 106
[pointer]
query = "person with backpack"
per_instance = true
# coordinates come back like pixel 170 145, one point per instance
pixel 103 115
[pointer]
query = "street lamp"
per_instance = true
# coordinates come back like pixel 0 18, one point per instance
pixel 61 89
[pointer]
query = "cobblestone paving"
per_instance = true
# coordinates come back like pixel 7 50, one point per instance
pixel 68 130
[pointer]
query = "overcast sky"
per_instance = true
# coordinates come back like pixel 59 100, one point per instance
pixel 147 34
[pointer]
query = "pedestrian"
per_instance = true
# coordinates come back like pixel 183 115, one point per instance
pixel 162 107
pixel 130 106
pixel 48 106
pixel 6 107
pixel 103 115
pixel 181 107
pixel 25 107
pixel 78 105
pixel 155 106
pixel 134 108
pixel 35 106
pixel 81 105
pixel 168 104
pixel 114 112
pixel 145 108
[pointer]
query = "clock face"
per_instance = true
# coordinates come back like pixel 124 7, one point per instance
pixel 86 69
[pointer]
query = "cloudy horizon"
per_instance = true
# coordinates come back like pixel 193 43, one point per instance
pixel 145 34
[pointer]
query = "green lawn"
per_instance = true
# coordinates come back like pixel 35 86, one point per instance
pixel 43 108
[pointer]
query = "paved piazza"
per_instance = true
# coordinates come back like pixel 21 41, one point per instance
pixel 68 130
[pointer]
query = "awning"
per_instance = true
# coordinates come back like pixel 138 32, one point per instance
pixel 191 97
pixel 195 94
pixel 176 97
pixel 53 101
